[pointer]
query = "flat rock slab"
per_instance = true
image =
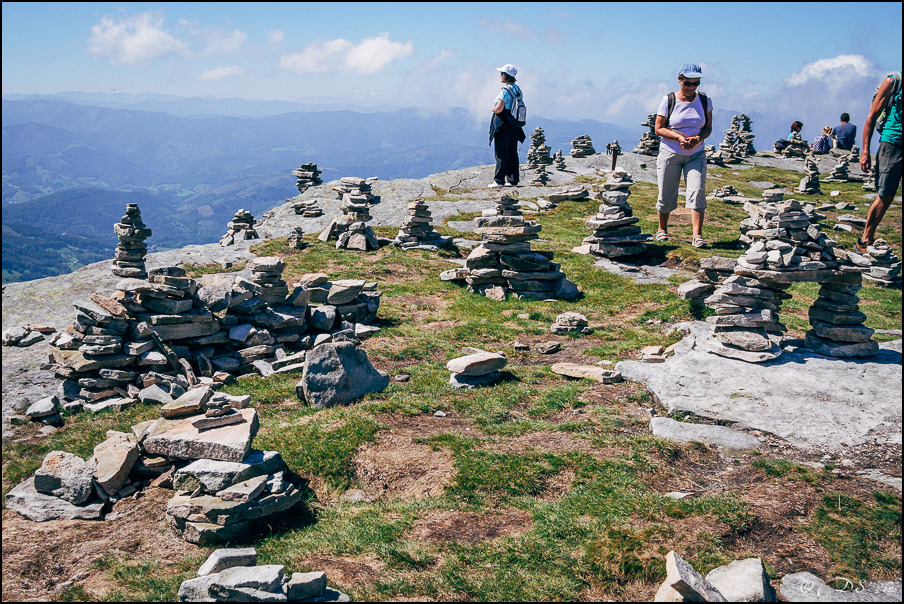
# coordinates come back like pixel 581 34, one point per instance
pixel 179 438
pixel 590 372
pixel 213 476
pixel 812 401
pixel 639 274
pixel 683 432
pixel 25 500
pixel 807 587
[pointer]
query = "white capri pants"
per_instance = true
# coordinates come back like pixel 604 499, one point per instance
pixel 670 166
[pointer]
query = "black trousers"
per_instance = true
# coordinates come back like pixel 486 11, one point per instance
pixel 506 149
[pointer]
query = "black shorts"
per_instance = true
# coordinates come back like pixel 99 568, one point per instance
pixel 888 169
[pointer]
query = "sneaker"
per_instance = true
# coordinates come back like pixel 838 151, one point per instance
pixel 494 185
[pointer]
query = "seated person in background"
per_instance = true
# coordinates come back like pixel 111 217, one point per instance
pixel 796 127
pixel 845 134
pixel 822 144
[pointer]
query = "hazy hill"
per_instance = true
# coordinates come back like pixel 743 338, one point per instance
pixel 71 168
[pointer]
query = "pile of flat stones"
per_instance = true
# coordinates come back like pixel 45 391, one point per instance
pixel 744 136
pixel 128 259
pixel 307 208
pixel 552 200
pixel 764 217
pixel 558 161
pixel 28 334
pixel 582 146
pixel 294 240
pixel 504 264
pixel 570 322
pixel 729 194
pixel 615 230
pixel 870 183
pixel 773 195
pixel 538 153
pixel 541 178
pixel 721 156
pixel 417 229
pixel 476 370
pixel 232 575
pixel 796 147
pixel 241 228
pixel 790 249
pixel 839 171
pixel 649 141
pixel 809 184
pixel 307 176
pixel 712 273
pixel 885 266
pixel 266 272
pixel 350 230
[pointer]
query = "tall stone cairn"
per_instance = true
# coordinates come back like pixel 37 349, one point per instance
pixel 241 228
pixel 350 230
pixel 649 141
pixel 792 249
pixel 582 146
pixel 745 137
pixel 541 178
pixel 839 170
pixel 295 241
pixel 504 264
pixel 128 259
pixel 307 176
pixel 538 154
pixel 809 184
pixel 558 161
pixel 266 272
pixel 417 228
pixel 615 230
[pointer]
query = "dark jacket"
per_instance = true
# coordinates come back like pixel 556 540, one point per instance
pixel 505 120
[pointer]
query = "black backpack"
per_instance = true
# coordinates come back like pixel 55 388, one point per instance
pixel 703 100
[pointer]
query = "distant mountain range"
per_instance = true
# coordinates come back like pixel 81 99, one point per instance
pixel 71 165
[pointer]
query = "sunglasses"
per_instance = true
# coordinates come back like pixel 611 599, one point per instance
pixel 689 83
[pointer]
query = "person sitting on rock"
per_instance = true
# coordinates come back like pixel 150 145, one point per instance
pixel 844 134
pixel 822 144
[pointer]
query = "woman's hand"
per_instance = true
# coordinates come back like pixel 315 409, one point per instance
pixel 689 142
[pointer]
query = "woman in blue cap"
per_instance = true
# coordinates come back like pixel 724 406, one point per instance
pixel 505 131
pixel 684 120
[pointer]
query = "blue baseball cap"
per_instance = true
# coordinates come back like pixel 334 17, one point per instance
pixel 691 70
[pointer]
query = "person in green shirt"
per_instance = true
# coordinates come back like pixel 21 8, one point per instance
pixel 888 159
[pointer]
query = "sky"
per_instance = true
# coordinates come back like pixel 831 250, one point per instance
pixel 610 62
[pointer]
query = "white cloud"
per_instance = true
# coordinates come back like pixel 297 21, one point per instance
pixel 224 43
pixel 221 72
pixel 368 57
pixel 833 71
pixel 514 29
pixel 133 40
pixel 275 37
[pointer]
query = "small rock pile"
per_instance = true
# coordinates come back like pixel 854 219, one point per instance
pixel 713 272
pixel 870 183
pixel 773 195
pixel 649 141
pixel 772 218
pixel 538 153
pixel 350 230
pixel 295 241
pixel 504 263
pixel 266 272
pixel 552 200
pixel 307 176
pixel 839 171
pixel 720 156
pixel 796 147
pixel 417 229
pixel 836 322
pixel 541 178
pixel 240 229
pixel 885 266
pixel 809 184
pixel 128 259
pixel 615 230
pixel 476 370
pixel 571 322
pixel 26 335
pixel 307 208
pixel 232 575
pixel 582 146
pixel 558 161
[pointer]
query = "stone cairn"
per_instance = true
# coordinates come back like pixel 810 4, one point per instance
pixel 558 161
pixel 743 136
pixel 128 259
pixel 307 176
pixel 571 322
pixel 790 249
pixel 582 146
pixel 232 575
pixel 839 171
pixel 295 241
pixel 538 154
pixel 869 184
pixel 241 228
pixel 476 370
pixel 350 230
pixel 649 141
pixel 797 146
pixel 307 208
pixel 417 230
pixel 615 230
pixel 885 266
pixel 809 184
pixel 504 263
pixel 541 178
pixel 552 200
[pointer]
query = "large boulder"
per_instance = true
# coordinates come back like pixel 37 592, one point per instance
pixel 39 507
pixel 66 476
pixel 335 374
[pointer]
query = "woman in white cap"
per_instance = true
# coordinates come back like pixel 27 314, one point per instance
pixel 505 130
pixel 683 120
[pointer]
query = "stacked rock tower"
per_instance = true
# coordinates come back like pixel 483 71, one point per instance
pixel 538 154
pixel 582 146
pixel 417 229
pixel 615 230
pixel 649 141
pixel 241 228
pixel 504 264
pixel 131 250
pixel 308 176
pixel 350 230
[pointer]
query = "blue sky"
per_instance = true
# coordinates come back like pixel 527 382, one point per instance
pixel 606 61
